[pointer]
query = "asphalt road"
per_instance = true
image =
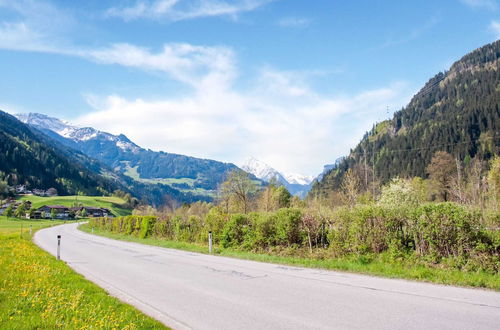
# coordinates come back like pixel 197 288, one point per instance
pixel 190 290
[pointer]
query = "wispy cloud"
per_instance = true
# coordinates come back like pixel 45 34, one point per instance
pixel 32 30
pixel 178 10
pixel 294 22
pixel 487 4
pixel 412 35
pixel 197 66
pixel 495 28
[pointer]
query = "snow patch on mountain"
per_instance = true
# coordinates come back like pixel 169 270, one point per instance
pixel 297 184
pixel 296 178
pixel 260 169
pixel 75 133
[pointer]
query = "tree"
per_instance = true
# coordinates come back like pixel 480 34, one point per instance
pixel 4 189
pixel 53 213
pixel 311 224
pixel 350 187
pixel 9 211
pixel 83 213
pixel 238 188
pixel 274 197
pixel 399 193
pixel 441 170
pixel 21 210
pixel 494 182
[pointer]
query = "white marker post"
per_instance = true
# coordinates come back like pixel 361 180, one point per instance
pixel 31 230
pixel 58 247
pixel 209 242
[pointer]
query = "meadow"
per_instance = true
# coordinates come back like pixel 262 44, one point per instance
pixel 115 204
pixel 39 292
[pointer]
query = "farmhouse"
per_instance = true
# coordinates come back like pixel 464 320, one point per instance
pixel 61 212
pixel 93 211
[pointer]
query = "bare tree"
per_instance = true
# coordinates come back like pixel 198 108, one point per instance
pixel 238 188
pixel 458 184
pixel 350 187
pixel 441 171
pixel 311 224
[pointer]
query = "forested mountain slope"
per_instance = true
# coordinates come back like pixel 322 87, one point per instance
pixel 456 111
pixel 28 157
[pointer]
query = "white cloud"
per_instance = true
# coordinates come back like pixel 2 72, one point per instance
pixel 495 28
pixel 278 120
pixel 488 4
pixel 198 66
pixel 296 22
pixel 178 10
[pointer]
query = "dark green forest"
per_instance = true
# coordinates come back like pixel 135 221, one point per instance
pixel 456 111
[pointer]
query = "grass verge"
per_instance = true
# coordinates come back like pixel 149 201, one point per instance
pixel 379 265
pixel 39 292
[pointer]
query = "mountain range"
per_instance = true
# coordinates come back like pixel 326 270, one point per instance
pixel 186 174
pixel 296 184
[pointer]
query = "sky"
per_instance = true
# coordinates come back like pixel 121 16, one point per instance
pixel 294 83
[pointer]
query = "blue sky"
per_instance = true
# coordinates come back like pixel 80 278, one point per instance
pixel 294 83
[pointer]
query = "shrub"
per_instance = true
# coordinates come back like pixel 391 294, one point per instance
pixel 288 223
pixel 235 230
pixel 147 225
pixel 446 229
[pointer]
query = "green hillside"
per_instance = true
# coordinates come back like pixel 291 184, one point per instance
pixel 28 157
pixel 115 204
pixel 457 111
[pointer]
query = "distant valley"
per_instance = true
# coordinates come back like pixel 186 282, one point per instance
pixel 189 175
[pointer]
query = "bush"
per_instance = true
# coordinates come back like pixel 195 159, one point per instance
pixel 447 229
pixel 147 225
pixel 235 230
pixel 288 223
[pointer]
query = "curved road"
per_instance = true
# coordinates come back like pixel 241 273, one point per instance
pixel 190 290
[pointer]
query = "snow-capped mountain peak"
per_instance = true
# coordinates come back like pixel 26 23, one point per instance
pixel 61 127
pixel 260 169
pixel 296 178
pixel 297 184
pixel 75 133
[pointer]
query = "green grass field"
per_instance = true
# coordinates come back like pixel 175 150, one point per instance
pixel 39 292
pixel 115 204
pixel 379 265
pixel 132 173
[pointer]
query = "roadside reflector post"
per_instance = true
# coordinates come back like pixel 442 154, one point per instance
pixel 31 230
pixel 58 247
pixel 210 242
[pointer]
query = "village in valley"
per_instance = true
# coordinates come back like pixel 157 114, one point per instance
pixel 23 208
